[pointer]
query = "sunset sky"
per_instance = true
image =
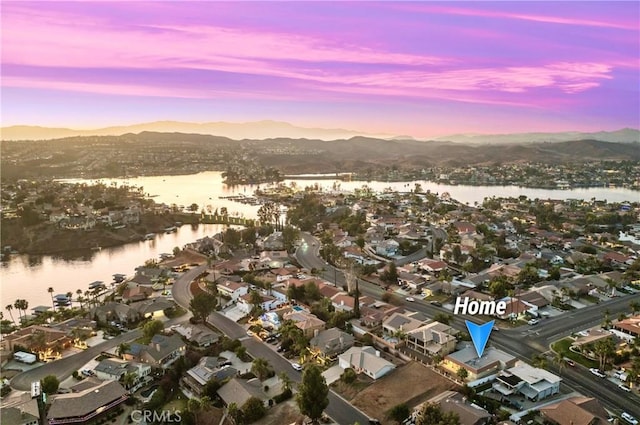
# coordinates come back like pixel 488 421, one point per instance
pixel 417 68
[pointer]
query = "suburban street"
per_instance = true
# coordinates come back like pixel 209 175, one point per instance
pixel 64 367
pixel 522 342
pixel 339 409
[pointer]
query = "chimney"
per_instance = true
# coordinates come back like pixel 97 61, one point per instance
pixel 315 332
pixel 377 353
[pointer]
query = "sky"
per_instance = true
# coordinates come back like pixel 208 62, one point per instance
pixel 422 69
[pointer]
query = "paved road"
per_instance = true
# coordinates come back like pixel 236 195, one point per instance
pixel 63 368
pixel 339 409
pixel 524 341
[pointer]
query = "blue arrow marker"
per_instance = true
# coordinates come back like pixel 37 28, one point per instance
pixel 479 335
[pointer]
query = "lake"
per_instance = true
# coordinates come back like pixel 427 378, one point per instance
pixel 29 277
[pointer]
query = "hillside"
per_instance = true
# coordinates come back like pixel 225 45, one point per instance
pixel 176 153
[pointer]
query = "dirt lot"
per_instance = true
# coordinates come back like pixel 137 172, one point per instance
pixel 282 414
pixel 411 384
pixel 186 257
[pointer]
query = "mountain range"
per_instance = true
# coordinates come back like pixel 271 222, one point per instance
pixel 260 130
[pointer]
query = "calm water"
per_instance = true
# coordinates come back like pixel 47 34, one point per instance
pixel 29 277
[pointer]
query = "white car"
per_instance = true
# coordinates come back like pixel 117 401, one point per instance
pixel 597 372
pixel 533 322
pixel 296 366
pixel 623 387
pixel 627 417
pixel 410 299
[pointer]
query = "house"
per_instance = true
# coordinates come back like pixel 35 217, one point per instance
pixel 575 411
pixel 307 322
pixel 18 416
pixel 365 360
pixel 330 342
pixel 432 266
pixel 161 352
pixel 239 391
pixel 233 290
pixel 268 303
pixel 198 334
pixel 136 293
pixel 531 382
pixel 516 309
pixel 207 368
pixel 120 312
pixel 629 326
pixel 115 369
pixel 432 339
pixel 387 248
pixel 456 403
pixel 86 405
pixel 401 322
pixel 273 242
pixel 463 227
pixel 492 361
pixel 154 307
pixel 29 338
pixel 413 281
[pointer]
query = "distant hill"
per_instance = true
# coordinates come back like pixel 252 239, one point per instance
pixel 626 135
pixel 238 131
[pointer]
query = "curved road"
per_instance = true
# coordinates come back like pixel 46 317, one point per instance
pixel 524 341
pixel 339 409
pixel 65 367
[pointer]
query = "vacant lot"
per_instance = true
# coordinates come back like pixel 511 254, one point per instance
pixel 411 384
pixel 281 414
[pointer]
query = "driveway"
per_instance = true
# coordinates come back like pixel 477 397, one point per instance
pixel 234 313
pixel 332 374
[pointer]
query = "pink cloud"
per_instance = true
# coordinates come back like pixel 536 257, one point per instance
pixel 519 16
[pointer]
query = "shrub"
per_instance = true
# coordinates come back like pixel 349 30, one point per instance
pixel 348 376
pixel 283 396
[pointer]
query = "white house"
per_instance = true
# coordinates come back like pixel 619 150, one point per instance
pixel 387 247
pixel 268 303
pixel 233 289
pixel 365 360
pixel 533 383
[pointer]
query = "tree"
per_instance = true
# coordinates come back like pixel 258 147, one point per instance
pixel 202 305
pixel 50 291
pixel 431 414
pixel 253 410
pixel 443 318
pixel 256 302
pixel 152 328
pixel 391 274
pixel 261 368
pixel 312 397
pixel 285 380
pixel 399 412
pixel 50 384
pixel 211 388
pixel 462 373
pixel 9 307
pixel 129 379
pixel 348 376
pixel 122 349
pixel 605 349
pixel 558 359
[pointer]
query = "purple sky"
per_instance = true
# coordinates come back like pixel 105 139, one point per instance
pixel 417 68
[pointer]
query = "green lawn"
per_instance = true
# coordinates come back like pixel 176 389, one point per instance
pixel 177 402
pixel 562 347
pixel 590 298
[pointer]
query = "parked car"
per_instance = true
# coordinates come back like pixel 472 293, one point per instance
pixel 597 372
pixel 296 366
pixel 623 387
pixel 250 333
pixel 436 303
pixel 627 417
pixel 410 299
pixel 533 322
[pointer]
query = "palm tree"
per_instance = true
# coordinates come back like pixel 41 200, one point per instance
pixel 122 349
pixel 50 291
pixel 635 306
pixel 80 299
pixel 286 381
pixel 128 379
pixel 9 307
pixel 261 368
pixel 69 295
